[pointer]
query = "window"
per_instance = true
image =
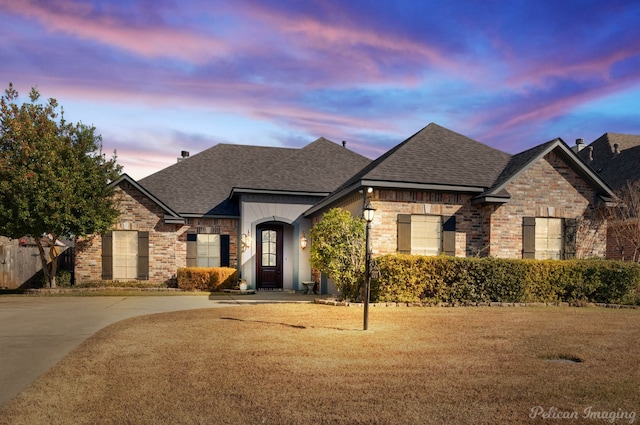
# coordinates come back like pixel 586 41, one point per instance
pixel 548 238
pixel 421 234
pixel 208 250
pixel 426 235
pixel 125 255
pixel 269 248
pixel 543 238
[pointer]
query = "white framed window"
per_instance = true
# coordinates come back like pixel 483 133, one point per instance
pixel 426 235
pixel 208 250
pixel 548 238
pixel 125 254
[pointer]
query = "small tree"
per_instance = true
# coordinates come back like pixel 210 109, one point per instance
pixel 338 249
pixel 53 177
pixel 624 221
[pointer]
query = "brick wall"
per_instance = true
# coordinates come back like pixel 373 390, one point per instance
pixel 167 242
pixel 470 235
pixel 549 188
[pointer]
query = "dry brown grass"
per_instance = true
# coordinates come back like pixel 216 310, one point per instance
pixel 288 364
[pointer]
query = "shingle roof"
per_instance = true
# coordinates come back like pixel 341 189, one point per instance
pixel 320 167
pixel 436 155
pixel 615 169
pixel 201 184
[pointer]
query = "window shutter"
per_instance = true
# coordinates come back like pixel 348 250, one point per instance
pixel 107 256
pixel 192 249
pixel 404 233
pixel 529 237
pixel 224 251
pixel 143 255
pixel 449 236
pixel 569 232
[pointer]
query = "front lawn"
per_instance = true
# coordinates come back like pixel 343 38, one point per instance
pixel 302 363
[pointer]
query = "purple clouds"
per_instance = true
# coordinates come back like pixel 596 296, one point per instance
pixel 153 76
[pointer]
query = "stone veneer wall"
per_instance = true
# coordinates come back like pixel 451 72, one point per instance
pixel 167 242
pixel 549 188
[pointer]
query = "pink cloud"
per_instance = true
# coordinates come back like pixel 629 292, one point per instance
pixel 77 19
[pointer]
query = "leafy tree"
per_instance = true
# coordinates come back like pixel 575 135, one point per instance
pixel 53 176
pixel 624 221
pixel 338 249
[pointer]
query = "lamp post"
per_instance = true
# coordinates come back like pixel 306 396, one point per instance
pixel 368 213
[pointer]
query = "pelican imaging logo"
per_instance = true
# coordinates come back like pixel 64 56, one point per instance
pixel 611 416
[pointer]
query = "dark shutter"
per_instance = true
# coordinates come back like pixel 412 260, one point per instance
pixel 529 237
pixel 569 230
pixel 143 255
pixel 224 251
pixel 404 233
pixel 449 236
pixel 107 256
pixel 192 250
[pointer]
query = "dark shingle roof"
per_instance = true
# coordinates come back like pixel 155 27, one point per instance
pixel 436 155
pixel 202 184
pixel 615 169
pixel 320 167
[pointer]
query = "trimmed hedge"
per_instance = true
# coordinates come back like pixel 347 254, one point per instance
pixel 207 278
pixel 413 278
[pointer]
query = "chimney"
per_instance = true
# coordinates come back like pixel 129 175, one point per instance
pixel 184 155
pixel 616 150
pixel 579 144
pixel 344 143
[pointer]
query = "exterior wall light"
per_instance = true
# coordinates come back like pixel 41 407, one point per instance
pixel 303 241
pixel 245 240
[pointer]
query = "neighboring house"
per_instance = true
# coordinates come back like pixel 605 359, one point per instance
pixel 230 205
pixel 616 158
pixel 438 192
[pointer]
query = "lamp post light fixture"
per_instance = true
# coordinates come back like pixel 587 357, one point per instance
pixel 368 212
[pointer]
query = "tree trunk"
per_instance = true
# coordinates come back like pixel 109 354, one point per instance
pixel 49 272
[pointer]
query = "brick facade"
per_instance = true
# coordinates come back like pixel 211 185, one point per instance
pixel 548 188
pixel 167 242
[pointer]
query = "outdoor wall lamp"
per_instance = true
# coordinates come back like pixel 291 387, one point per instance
pixel 245 240
pixel 303 241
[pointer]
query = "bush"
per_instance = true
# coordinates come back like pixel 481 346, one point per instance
pixel 411 278
pixel 206 278
pixel 63 279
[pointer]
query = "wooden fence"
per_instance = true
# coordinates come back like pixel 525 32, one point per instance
pixel 19 265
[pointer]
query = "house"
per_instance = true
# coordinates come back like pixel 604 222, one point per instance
pixel 230 205
pixel 438 192
pixel 616 159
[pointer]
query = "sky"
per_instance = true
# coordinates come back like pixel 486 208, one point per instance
pixel 156 77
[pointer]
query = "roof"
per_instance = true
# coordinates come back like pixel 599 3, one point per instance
pixel 170 216
pixel 202 184
pixel 615 169
pixel 437 156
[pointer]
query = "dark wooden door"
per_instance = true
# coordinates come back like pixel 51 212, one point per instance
pixel 269 257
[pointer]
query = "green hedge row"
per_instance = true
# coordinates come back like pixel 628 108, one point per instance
pixel 207 278
pixel 413 278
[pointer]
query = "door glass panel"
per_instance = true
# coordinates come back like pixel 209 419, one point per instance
pixel 269 248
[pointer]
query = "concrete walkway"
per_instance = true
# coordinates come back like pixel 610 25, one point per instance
pixel 36 332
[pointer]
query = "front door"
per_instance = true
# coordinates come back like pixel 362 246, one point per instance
pixel 269 256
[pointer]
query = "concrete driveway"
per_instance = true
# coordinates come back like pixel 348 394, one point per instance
pixel 37 332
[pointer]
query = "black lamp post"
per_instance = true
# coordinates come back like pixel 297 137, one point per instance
pixel 368 213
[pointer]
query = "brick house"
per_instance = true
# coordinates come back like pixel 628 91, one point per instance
pixel 615 157
pixel 230 205
pixel 438 192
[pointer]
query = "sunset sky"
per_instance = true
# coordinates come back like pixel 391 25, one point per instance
pixel 156 77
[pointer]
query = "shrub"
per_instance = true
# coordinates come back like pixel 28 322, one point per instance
pixel 411 278
pixel 206 278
